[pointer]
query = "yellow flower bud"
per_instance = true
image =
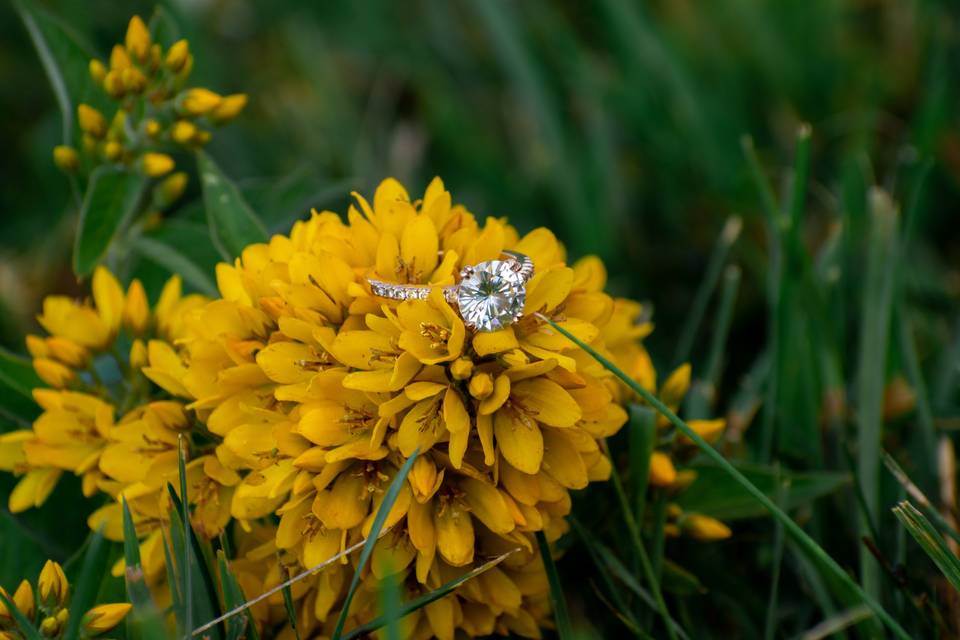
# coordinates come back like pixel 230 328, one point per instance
pixel 133 80
pixel 676 386
pixel 37 347
pixel 119 60
pixel 709 430
pixel 51 626
pixel 68 352
pixel 230 107
pixel 112 151
pixel 23 598
pixel 170 189
pixel 424 479
pixel 52 372
pixel 89 143
pixel 113 84
pixel 91 121
pixel 704 528
pixel 157 164
pixel 104 617
pixel 52 586
pixel 136 309
pixel 461 368
pixel 198 101
pixel 177 55
pixel 662 471
pixel 481 386
pixel 684 479
pixel 66 158
pixel 138 39
pixel 151 128
pixel 97 71
pixel 182 131
pixel 156 54
pixel 201 137
pixel 138 354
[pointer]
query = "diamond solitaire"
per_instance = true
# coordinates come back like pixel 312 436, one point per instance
pixel 490 294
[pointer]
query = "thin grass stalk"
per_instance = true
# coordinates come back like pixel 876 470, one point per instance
pixel 769 628
pixel 560 614
pixel 804 541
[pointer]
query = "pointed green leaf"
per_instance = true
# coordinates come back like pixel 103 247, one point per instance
pixel 96 564
pixel 233 224
pixel 144 621
pixel 930 540
pixel 111 201
pixel 238 627
pixel 560 614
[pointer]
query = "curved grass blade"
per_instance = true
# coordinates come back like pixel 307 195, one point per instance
pixel 144 621
pixel 24 625
pixel 291 612
pixel 391 496
pixel 914 491
pixel 111 200
pixel 804 541
pixel 930 540
pixel 237 628
pixel 95 564
pixel 427 598
pixel 560 614
pixel 233 224
pixel 390 599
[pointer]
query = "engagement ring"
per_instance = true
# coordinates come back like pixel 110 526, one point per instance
pixel 490 295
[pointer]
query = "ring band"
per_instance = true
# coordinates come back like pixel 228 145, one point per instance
pixel 490 295
pixel 394 291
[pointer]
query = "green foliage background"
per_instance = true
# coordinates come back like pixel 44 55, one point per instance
pixel 618 124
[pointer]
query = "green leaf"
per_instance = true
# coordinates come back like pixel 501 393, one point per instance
pixel 291 612
pixel 170 258
pixel 680 581
pixel 96 564
pixel 391 496
pixel 560 615
pixel 24 625
pixel 237 626
pixel 804 541
pixel 233 224
pixel 642 437
pixel 17 381
pixel 144 621
pixel 930 540
pixel 427 598
pixel 715 493
pixel 65 61
pixel 110 202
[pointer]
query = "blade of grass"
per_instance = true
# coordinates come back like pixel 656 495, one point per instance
pixel 641 551
pixel 835 625
pixel 703 394
pixel 642 438
pixel 427 598
pixel 173 579
pixel 390 600
pixel 771 619
pixel 914 491
pixel 288 606
pixel 389 498
pixel 144 621
pixel 24 625
pixel 804 541
pixel 84 597
pixel 871 374
pixel 561 616
pixel 911 364
pixel 233 597
pixel 930 540
pixel 728 236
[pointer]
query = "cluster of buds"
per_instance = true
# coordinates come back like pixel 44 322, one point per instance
pixel 156 113
pixel 48 609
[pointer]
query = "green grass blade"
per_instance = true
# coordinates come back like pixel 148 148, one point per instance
pixel 728 236
pixel 144 621
pixel 24 625
pixel 641 552
pixel 427 598
pixel 914 491
pixel 233 224
pixel 171 259
pixel 770 627
pixel 95 566
pixel 642 436
pixel 930 540
pixel 391 496
pixel 390 600
pixel 833 626
pixel 240 627
pixel 560 614
pixel 804 541
pixel 176 586
pixel 871 374
pixel 288 606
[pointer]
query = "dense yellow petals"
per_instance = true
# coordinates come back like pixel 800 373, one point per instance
pixel 519 439
pixel 454 534
pixel 104 617
pixel 487 505
pixel 546 401
pixel 562 460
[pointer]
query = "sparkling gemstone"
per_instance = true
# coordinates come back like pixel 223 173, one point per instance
pixel 491 295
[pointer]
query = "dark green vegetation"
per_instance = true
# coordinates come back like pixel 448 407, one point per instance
pixel 623 129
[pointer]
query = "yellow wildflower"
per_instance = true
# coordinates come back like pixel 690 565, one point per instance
pixel 66 158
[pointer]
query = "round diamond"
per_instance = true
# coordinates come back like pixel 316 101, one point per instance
pixel 491 295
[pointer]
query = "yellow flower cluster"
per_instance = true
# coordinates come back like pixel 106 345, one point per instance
pixel 47 608
pixel 155 112
pixel 320 391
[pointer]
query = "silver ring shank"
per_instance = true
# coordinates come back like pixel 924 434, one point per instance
pixel 394 291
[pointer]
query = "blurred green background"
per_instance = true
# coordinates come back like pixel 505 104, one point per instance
pixel 620 126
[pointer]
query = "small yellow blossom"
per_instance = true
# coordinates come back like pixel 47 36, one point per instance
pixel 104 617
pixel 97 71
pixel 137 39
pixel 91 121
pixel 52 586
pixel 199 101
pixel 66 158
pixel 156 165
pixel 229 108
pixel 704 528
pixel 177 55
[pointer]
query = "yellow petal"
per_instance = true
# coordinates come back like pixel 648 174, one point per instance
pixel 489 342
pixel 547 402
pixel 104 617
pixel 345 505
pixel 676 386
pixel 662 471
pixel 501 391
pixel 421 427
pixel 519 440
pixel 546 291
pixel 524 487
pixel 485 432
pixel 418 248
pixel 108 296
pixel 455 414
pixel 455 540
pixel 487 505
pixel 562 460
